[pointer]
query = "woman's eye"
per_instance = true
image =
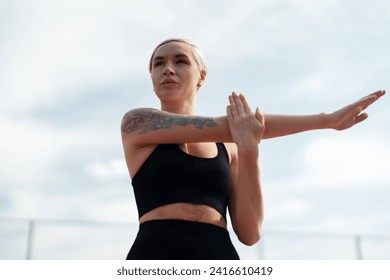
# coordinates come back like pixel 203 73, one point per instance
pixel 158 63
pixel 181 61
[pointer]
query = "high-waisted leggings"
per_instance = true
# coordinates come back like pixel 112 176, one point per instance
pixel 181 240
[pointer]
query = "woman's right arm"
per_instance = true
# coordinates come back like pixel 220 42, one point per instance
pixel 151 126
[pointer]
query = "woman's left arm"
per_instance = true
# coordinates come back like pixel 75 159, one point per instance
pixel 344 118
pixel 245 201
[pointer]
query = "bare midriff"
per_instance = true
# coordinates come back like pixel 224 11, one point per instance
pixel 187 212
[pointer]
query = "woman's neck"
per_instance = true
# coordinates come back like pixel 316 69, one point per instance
pixel 185 108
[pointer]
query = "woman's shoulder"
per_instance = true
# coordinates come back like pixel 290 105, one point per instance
pixel 142 111
pixel 134 118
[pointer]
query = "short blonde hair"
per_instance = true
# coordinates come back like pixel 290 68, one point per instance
pixel 199 57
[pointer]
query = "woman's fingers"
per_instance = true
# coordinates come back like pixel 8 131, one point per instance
pixel 371 98
pixel 246 127
pixel 378 93
pixel 246 106
pixel 239 105
pixel 259 116
pixel 233 106
pixel 361 118
pixel 229 112
pixel 366 101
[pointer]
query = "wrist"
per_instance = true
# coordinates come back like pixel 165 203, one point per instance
pixel 326 121
pixel 248 151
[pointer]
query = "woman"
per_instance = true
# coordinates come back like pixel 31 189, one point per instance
pixel 187 170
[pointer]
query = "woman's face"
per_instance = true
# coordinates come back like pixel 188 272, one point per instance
pixel 175 72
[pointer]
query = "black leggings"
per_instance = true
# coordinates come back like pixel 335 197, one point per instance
pixel 181 240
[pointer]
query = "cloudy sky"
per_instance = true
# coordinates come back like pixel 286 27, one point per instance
pixel 69 70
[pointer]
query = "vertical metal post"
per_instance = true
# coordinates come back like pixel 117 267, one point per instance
pixel 30 237
pixel 260 248
pixel 358 243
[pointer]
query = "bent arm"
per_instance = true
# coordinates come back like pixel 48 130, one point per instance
pixel 246 200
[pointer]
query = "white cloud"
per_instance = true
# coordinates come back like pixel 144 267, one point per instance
pixel 115 168
pixel 288 208
pixel 62 48
pixel 351 162
pixel 340 162
pixel 110 203
pixel 29 149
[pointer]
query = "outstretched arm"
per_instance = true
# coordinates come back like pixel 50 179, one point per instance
pixel 346 117
pixel 148 126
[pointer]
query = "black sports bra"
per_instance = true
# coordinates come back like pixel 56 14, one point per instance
pixel 169 175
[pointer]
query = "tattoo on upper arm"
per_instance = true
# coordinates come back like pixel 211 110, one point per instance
pixel 144 120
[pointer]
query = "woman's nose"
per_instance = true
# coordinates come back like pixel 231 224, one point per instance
pixel 169 70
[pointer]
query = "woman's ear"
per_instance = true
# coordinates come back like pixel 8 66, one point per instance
pixel 202 77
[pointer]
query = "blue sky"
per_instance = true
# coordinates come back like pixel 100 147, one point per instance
pixel 71 69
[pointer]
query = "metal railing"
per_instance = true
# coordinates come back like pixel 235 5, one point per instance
pixel 78 240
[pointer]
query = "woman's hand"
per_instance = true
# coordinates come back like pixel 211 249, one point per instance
pixel 350 115
pixel 246 127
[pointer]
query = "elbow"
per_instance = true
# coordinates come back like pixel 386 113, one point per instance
pixel 251 239
pixel 249 233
